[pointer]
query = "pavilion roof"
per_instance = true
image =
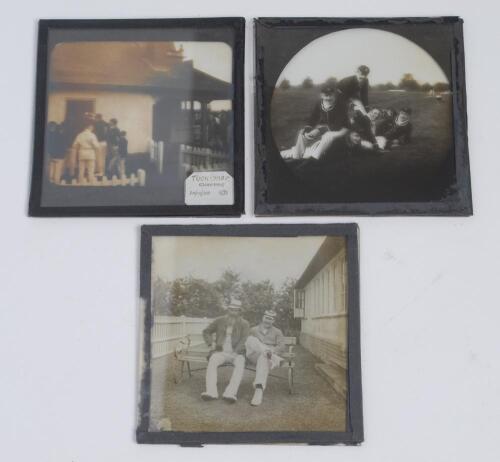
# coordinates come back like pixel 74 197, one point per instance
pixel 156 68
pixel 330 247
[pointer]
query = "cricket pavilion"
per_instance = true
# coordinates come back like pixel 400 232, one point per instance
pixel 320 302
pixel 156 95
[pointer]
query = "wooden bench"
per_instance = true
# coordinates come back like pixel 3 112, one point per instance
pixel 188 351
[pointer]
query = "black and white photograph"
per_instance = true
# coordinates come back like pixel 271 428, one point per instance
pixel 250 330
pixel 134 115
pixel 265 231
pixel 371 114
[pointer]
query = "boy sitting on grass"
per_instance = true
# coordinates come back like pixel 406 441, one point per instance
pixel 328 122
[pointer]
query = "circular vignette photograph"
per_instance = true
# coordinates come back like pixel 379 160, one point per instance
pixel 366 115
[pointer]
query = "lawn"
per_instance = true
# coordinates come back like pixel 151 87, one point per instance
pixel 420 171
pixel 314 405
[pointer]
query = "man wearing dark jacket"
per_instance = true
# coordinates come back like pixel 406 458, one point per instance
pixel 354 91
pixel 356 86
pixel 231 332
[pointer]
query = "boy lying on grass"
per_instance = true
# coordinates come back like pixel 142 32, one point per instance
pixel 339 127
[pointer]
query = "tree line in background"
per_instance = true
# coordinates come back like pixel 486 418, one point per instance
pixel 195 297
pixel 407 83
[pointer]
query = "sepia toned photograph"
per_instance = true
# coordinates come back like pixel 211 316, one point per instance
pixel 250 333
pixel 357 124
pixel 132 114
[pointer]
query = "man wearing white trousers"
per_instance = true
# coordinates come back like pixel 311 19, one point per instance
pixel 86 147
pixel 231 332
pixel 263 346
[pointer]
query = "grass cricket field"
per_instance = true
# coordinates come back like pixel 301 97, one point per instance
pixel 420 171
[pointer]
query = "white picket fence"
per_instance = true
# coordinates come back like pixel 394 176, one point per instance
pixel 168 330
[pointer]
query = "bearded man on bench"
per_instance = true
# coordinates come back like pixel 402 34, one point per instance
pixel 231 332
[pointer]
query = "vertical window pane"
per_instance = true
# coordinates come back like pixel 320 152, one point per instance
pixel 325 290
pixel 332 288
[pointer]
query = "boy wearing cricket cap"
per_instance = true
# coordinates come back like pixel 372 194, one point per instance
pixel 327 123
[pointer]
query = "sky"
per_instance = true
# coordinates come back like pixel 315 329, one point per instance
pixel 338 54
pixel 214 58
pixel 255 258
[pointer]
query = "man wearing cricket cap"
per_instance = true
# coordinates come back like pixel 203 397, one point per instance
pixel 231 332
pixel 263 345
pixel 354 91
pixel 356 86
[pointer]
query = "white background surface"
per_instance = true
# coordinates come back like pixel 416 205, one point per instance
pixel 430 308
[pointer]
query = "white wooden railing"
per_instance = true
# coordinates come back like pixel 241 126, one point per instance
pixel 202 158
pixel 168 330
pixel 156 154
